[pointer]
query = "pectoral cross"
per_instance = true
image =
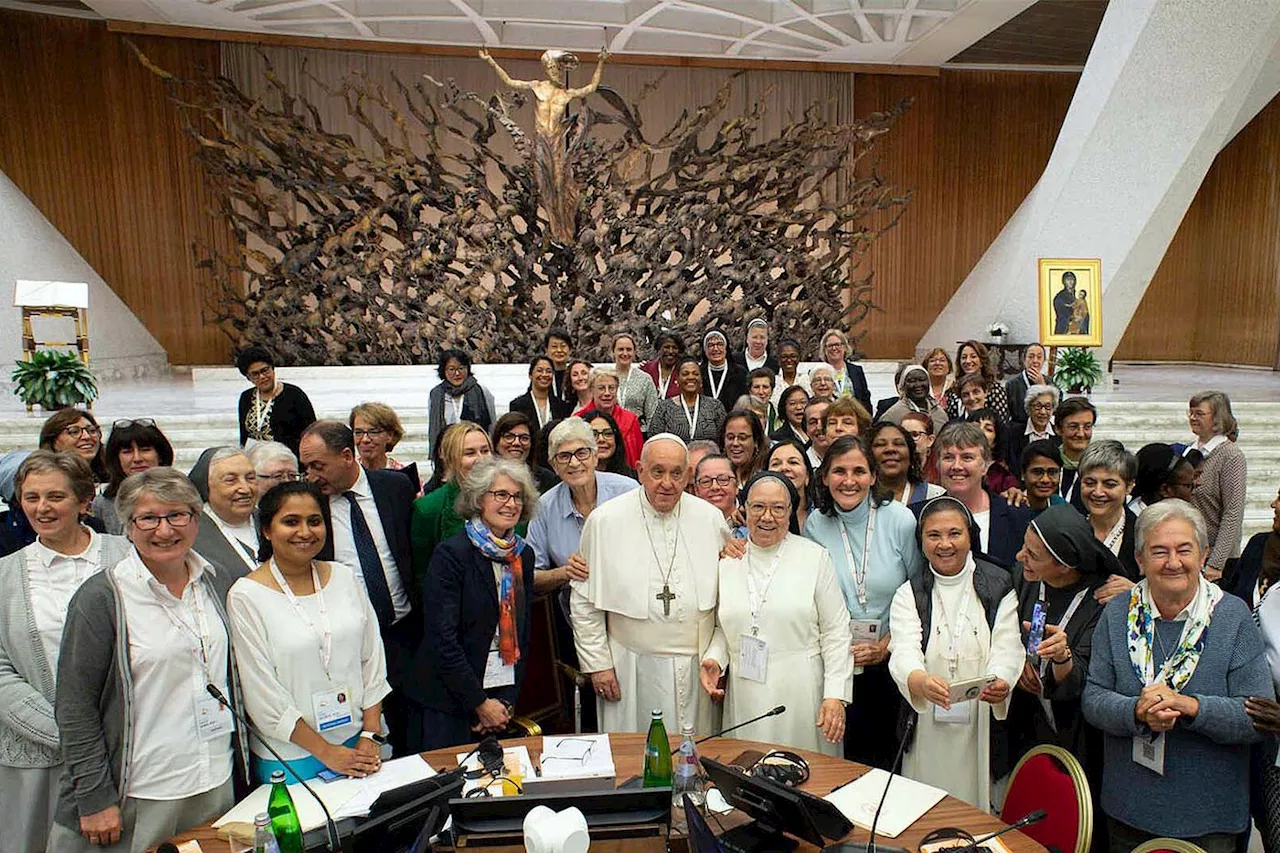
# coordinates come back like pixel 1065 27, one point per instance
pixel 666 597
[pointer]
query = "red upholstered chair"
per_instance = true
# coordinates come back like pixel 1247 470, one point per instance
pixel 1050 778
pixel 1168 845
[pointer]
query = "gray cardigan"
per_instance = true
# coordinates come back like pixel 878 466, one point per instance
pixel 28 733
pixel 94 704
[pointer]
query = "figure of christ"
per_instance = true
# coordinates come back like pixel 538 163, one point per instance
pixel 645 616
pixel 556 187
pixel 1079 324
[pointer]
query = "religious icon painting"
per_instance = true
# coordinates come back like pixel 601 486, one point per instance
pixel 1070 291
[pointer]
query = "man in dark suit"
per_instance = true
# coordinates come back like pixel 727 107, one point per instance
pixel 721 378
pixel 963 457
pixel 1015 387
pixel 370 533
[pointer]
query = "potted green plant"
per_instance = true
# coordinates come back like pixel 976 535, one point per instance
pixel 54 380
pixel 1077 370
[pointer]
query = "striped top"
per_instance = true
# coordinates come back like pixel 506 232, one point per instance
pixel 1220 496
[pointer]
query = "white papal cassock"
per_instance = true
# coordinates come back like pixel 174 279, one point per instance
pixel 621 623
pixel 955 756
pixel 804 620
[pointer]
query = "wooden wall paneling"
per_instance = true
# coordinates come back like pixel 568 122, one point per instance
pixel 1216 294
pixel 92 139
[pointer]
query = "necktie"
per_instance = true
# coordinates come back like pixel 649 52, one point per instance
pixel 375 579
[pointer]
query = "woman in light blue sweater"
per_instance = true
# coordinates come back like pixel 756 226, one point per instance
pixel 1173 662
pixel 872 542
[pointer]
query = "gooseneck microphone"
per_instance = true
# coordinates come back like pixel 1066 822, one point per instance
pixel 781 709
pixel 893 771
pixel 1034 817
pixel 332 843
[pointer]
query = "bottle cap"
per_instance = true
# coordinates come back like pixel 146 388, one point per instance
pixel 263 819
pixel 277 776
pixel 687 729
pixel 657 713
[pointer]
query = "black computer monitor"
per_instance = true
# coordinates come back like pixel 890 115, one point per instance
pixel 407 819
pixel 620 813
pixel 776 810
pixel 701 838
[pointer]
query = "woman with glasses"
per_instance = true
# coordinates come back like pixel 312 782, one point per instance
pixel 228 535
pixel 36 585
pixel 512 438
pixel 274 463
pixel 134 446
pixel 791 407
pixel 939 365
pixel 743 440
pixel 77 431
pixel 1040 401
pixel 822 383
pixel 1162 473
pixel 307 644
pixel 480 583
pixel 148 750
pixel 1219 493
pixel 540 404
pixel 781 630
pixel 271 410
pixel 690 414
pixel 609 454
pixel 457 397
pixel 850 378
pixel 377 430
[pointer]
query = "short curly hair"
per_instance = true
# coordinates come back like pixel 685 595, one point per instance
pixel 480 480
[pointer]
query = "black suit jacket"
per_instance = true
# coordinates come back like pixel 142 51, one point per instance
pixel 858 382
pixel 1015 390
pixel 1128 546
pixel 560 408
pixel 770 361
pixel 735 384
pixel 883 406
pixel 448 670
pixel 393 494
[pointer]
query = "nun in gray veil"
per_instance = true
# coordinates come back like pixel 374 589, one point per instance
pixel 1060 566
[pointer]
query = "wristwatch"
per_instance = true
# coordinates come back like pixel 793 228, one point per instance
pixel 374 736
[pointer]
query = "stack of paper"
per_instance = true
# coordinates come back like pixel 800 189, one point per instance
pixel 393 774
pixel 335 795
pixel 907 802
pixel 576 756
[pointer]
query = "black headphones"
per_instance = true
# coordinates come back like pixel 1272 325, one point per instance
pixel 783 767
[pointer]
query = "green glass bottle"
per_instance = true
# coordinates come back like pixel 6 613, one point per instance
pixel 284 816
pixel 657 755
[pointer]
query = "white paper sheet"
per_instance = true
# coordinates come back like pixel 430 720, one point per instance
pixel 394 774
pixel 335 794
pixel 576 756
pixel 907 802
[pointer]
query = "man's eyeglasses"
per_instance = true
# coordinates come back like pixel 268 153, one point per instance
pixel 502 496
pixel 582 454
pixel 75 431
pixel 152 522
pixel 706 482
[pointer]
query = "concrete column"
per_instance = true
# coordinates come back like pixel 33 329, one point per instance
pixel 120 347
pixel 1167 85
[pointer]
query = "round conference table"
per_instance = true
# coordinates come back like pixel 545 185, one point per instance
pixel 826 774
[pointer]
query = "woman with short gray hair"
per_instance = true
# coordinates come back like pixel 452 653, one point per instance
pixel 273 463
pixel 1039 403
pixel 1173 663
pixel 148 750
pixel 471 659
pixel 53 490
pixel 1106 477
pixel 1220 488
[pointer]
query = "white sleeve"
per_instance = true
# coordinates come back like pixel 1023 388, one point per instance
pixel 906 655
pixel 268 702
pixel 373 657
pixel 833 633
pixel 590 630
pixel 1007 655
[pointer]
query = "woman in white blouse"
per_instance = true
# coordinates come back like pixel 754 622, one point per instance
pixel 36 584
pixel 957 622
pixel 311 660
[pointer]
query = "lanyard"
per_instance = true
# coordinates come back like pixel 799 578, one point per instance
pixel 200 633
pixel 757 600
pixel 859 572
pixel 262 411
pixel 664 385
pixel 953 631
pixel 1062 621
pixel 691 417
pixel 711 379
pixel 1113 538
pixel 325 633
pixel 542 412
pixel 622 388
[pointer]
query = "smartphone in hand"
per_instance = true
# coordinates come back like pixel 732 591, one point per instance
pixel 1036 635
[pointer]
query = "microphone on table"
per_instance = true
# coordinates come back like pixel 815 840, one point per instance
pixel 1034 817
pixel 331 829
pixel 781 709
pixel 893 770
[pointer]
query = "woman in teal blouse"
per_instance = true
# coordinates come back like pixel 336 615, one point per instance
pixel 851 511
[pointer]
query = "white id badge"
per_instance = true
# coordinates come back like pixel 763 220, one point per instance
pixel 332 708
pixel 865 630
pixel 1148 752
pixel 213 720
pixel 497 673
pixel 753 657
pixel 961 713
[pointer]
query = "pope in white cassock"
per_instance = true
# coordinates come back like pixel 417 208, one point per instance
pixel 646 613
pixel 956 622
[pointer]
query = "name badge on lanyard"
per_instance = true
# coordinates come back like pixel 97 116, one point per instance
pixel 859 570
pixel 753 658
pixel 961 713
pixel 332 708
pixel 213 720
pixel 1148 752
pixel 497 673
pixel 753 651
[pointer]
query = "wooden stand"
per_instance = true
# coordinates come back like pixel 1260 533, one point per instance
pixel 78 315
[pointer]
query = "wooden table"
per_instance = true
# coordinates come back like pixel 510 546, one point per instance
pixel 826 774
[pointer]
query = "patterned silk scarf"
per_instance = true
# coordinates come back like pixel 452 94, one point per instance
pixel 506 552
pixel 1180 665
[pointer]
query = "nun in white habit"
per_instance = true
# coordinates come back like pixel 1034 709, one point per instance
pixel 956 622
pixel 781 629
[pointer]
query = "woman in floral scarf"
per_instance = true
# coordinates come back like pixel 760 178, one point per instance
pixel 1173 662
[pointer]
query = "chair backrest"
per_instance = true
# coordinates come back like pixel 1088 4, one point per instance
pixel 1168 845
pixel 1048 777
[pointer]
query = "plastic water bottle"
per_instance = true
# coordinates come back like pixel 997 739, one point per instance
pixel 688 771
pixel 284 817
pixel 264 840
pixel 657 754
